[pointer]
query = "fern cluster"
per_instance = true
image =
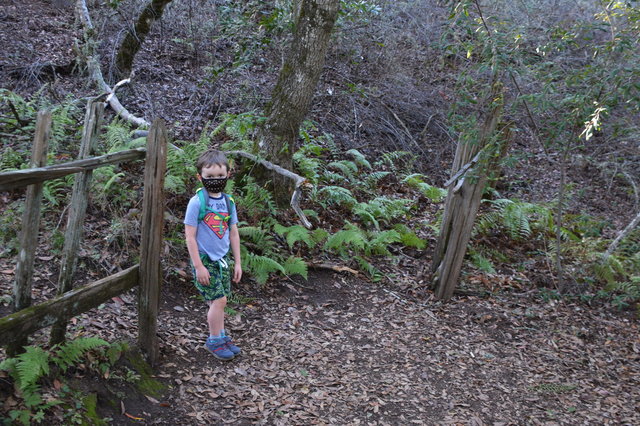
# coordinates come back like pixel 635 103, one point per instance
pixel 35 363
pixel 518 219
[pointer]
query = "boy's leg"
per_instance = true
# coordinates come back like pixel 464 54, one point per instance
pixel 215 315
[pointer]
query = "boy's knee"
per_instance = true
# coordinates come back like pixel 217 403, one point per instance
pixel 221 302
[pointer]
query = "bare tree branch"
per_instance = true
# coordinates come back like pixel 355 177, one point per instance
pixel 297 179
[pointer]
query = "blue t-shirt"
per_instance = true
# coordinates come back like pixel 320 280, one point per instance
pixel 212 234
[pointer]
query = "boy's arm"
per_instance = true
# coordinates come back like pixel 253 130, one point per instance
pixel 234 239
pixel 202 274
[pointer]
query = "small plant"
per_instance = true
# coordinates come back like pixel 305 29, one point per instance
pixel 28 368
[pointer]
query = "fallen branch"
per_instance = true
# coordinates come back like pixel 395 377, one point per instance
pixel 297 179
pixel 624 233
pixel 336 268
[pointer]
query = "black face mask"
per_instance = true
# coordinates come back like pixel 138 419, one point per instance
pixel 214 185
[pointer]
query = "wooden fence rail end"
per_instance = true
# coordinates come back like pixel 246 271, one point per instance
pixel 72 303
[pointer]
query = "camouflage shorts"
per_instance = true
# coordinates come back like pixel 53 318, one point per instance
pixel 220 281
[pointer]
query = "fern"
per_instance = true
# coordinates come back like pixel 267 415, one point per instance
pixel 262 240
pixel 295 266
pixel 117 135
pixel 307 166
pixel 482 263
pixel 610 269
pixel 359 158
pixel 433 193
pixel 371 179
pixel 332 177
pixel 348 168
pixel 379 242
pixel 396 158
pixel 261 266
pixel 369 269
pixel 255 200
pixel 336 195
pixel 319 235
pixel 382 209
pixel 31 366
pixel 351 237
pixel 68 354
pixel 409 238
pixel 294 234
pixel 362 210
pixel 518 219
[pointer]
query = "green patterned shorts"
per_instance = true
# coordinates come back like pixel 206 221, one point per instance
pixel 220 281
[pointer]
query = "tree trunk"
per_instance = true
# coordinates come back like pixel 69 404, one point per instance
pixel 135 37
pixel 463 200
pixel 292 96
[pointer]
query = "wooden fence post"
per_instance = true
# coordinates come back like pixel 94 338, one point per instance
pixel 151 240
pixel 30 227
pixel 464 197
pixel 77 210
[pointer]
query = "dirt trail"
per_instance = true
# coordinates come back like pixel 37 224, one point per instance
pixel 343 351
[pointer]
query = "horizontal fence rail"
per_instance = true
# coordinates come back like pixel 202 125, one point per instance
pixel 20 178
pixel 67 306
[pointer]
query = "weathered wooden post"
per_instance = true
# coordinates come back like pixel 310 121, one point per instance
pixel 30 227
pixel 77 209
pixel 151 240
pixel 472 166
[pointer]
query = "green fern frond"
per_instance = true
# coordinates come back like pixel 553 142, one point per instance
pixel 69 353
pixel 337 195
pixel 319 235
pixel 359 158
pixel 117 135
pixel 397 160
pixel 482 263
pixel 307 166
pixel 351 237
pixel 379 242
pixel 348 168
pixel 362 210
pixel 382 209
pixel 31 366
pixel 369 269
pixel 255 200
pixel 257 235
pixel 294 234
pixel 416 181
pixel 262 266
pixel 371 179
pixel 295 266
pixel 409 238
pixel 332 177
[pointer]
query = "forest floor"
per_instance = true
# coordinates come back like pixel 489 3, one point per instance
pixel 335 349
pixel 340 350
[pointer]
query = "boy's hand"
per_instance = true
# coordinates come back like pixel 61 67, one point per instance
pixel 237 273
pixel 202 275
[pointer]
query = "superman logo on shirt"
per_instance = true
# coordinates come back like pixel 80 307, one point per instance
pixel 216 224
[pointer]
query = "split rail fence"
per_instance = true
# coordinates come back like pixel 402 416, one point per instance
pixel 26 319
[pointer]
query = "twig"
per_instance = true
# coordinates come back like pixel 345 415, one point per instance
pixel 21 121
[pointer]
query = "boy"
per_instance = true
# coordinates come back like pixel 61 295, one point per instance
pixel 208 240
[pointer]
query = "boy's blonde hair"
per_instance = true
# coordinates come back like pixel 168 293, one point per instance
pixel 210 158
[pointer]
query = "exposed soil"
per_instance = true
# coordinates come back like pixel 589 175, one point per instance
pixel 335 349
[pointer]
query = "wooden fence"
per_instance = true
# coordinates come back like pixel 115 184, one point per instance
pixel 26 319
